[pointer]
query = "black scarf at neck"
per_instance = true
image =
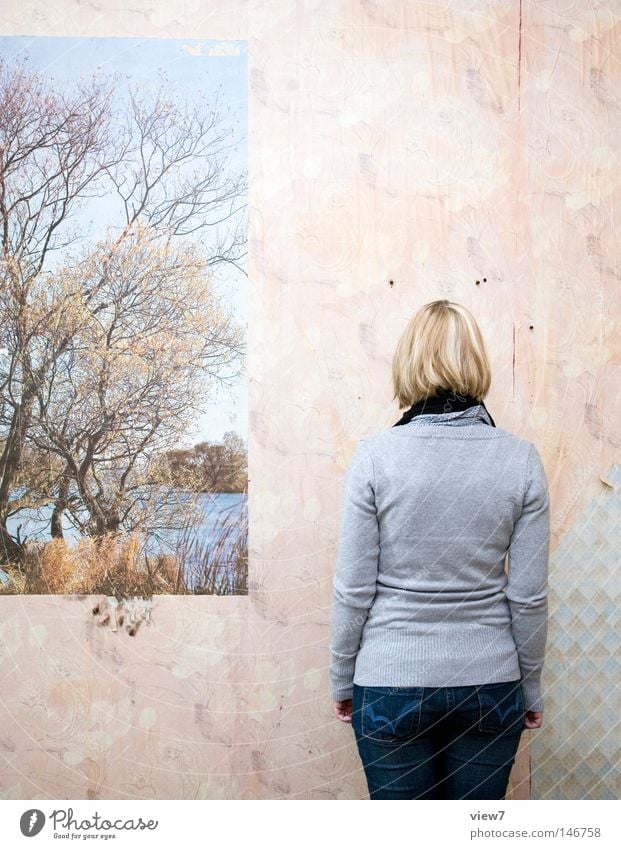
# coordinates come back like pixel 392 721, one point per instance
pixel 443 401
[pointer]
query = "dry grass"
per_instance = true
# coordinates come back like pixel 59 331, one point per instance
pixel 219 565
pixel 116 565
pixel 109 565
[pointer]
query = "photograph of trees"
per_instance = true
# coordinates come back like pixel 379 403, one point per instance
pixel 122 265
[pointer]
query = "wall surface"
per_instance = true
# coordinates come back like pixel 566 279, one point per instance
pixel 399 152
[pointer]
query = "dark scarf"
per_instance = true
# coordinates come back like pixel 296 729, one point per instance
pixel 443 401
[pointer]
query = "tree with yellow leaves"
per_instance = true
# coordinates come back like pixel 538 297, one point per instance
pixel 108 350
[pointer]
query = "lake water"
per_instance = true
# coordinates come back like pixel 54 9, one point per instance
pixel 216 511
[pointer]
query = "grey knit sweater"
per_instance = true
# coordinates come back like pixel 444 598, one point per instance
pixel 420 593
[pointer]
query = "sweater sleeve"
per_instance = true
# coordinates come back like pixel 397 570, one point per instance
pixel 527 586
pixel 356 570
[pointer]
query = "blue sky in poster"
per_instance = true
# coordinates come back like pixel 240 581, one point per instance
pixel 195 70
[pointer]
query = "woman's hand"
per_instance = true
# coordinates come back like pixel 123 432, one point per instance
pixel 343 710
pixel 533 719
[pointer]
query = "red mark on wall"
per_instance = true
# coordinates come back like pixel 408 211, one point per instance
pixel 513 363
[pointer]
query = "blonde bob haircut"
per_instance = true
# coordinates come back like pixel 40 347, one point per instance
pixel 440 348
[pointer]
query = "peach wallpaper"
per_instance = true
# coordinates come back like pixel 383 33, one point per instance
pixel 399 152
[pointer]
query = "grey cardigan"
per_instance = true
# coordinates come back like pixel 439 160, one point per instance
pixel 420 594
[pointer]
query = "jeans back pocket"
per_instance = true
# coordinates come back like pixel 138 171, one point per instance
pixel 391 715
pixel 501 707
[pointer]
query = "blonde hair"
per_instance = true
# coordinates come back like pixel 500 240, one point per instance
pixel 440 348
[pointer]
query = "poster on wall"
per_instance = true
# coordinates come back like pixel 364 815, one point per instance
pixel 123 231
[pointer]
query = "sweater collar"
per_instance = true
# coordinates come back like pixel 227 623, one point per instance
pixel 447 407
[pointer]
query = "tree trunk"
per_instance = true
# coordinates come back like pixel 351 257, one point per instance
pixel 56 528
pixel 10 462
pixel 10 551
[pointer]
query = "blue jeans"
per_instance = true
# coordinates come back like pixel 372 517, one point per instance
pixel 438 742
